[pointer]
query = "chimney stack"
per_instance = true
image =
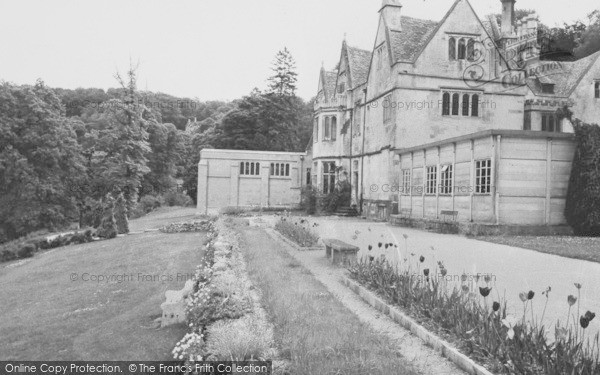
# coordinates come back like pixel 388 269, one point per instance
pixel 391 12
pixel 508 16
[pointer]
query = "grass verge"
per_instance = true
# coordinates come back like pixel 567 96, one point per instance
pixel 314 331
pixel 585 248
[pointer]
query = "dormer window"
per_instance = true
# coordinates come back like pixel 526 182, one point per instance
pixel 341 87
pixel 548 88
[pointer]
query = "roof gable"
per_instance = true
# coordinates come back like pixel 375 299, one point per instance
pixel 566 76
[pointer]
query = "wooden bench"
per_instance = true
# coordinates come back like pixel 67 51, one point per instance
pixel 339 251
pixel 449 214
pixel 404 213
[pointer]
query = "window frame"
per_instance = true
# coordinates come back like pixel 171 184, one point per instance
pixel 329 176
pixel 483 181
pixel 249 168
pixel 446 179
pixel 431 179
pixel 452 48
pixel 597 89
pixel 280 169
pixel 388 113
pixel 406 181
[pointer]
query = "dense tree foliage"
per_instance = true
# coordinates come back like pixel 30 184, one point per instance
pixel 583 196
pixel 571 41
pixel 40 160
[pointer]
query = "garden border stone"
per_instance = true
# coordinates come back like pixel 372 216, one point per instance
pixel 432 340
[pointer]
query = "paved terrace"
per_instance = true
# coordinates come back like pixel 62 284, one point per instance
pixel 514 269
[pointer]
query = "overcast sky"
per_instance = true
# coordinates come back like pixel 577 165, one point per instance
pixel 209 49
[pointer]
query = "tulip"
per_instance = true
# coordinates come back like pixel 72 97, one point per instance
pixel 530 295
pixel 387 245
pixel 577 285
pixel 444 272
pixel 426 272
pixel 371 258
pixel 590 315
pixel 465 288
pixel 487 279
pixel 422 259
pixel 370 247
pixel 523 296
pixel 485 291
pixel 584 322
pixel 380 244
pixel 571 300
pixel 496 306
pixel 463 277
pixel 405 236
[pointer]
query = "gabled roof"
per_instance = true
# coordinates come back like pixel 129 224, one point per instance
pixel 358 62
pixel 330 79
pixel 565 77
pixel 408 43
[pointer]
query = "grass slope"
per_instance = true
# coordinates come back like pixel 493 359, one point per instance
pixel 47 316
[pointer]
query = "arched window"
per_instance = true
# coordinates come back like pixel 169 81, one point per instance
pixel 327 129
pixel 446 104
pixel 455 105
pixel 452 48
pixel 475 105
pixel 465 105
pixel 461 49
pixel 333 128
pixel 471 50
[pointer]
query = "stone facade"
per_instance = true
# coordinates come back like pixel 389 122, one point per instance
pixel 234 178
pixel 427 92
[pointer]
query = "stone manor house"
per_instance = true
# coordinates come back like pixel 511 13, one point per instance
pixel 453 115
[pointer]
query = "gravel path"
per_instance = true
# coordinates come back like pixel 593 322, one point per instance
pixel 426 360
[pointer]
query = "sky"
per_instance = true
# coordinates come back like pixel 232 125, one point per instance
pixel 204 49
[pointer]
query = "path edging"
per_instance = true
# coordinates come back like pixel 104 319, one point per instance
pixel 439 345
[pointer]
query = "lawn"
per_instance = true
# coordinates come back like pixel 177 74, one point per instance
pixel 314 330
pixel 586 248
pixel 48 316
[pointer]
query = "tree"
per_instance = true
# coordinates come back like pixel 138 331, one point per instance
pixel 121 220
pixel 589 42
pixel 283 82
pixel 116 142
pixel 108 226
pixel 582 209
pixel 166 145
pixel 40 161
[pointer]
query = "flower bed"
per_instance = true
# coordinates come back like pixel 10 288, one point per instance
pixel 225 318
pixel 298 230
pixel 191 226
pixel 477 323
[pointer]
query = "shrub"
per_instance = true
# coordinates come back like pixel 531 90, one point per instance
pixel 297 231
pixel 175 198
pixel 242 339
pixel 7 255
pixel 90 213
pixel 147 204
pixel 193 226
pixel 121 215
pixel 232 210
pixel 582 209
pixel 26 251
pixel 309 200
pixel 340 197
pixel 108 227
